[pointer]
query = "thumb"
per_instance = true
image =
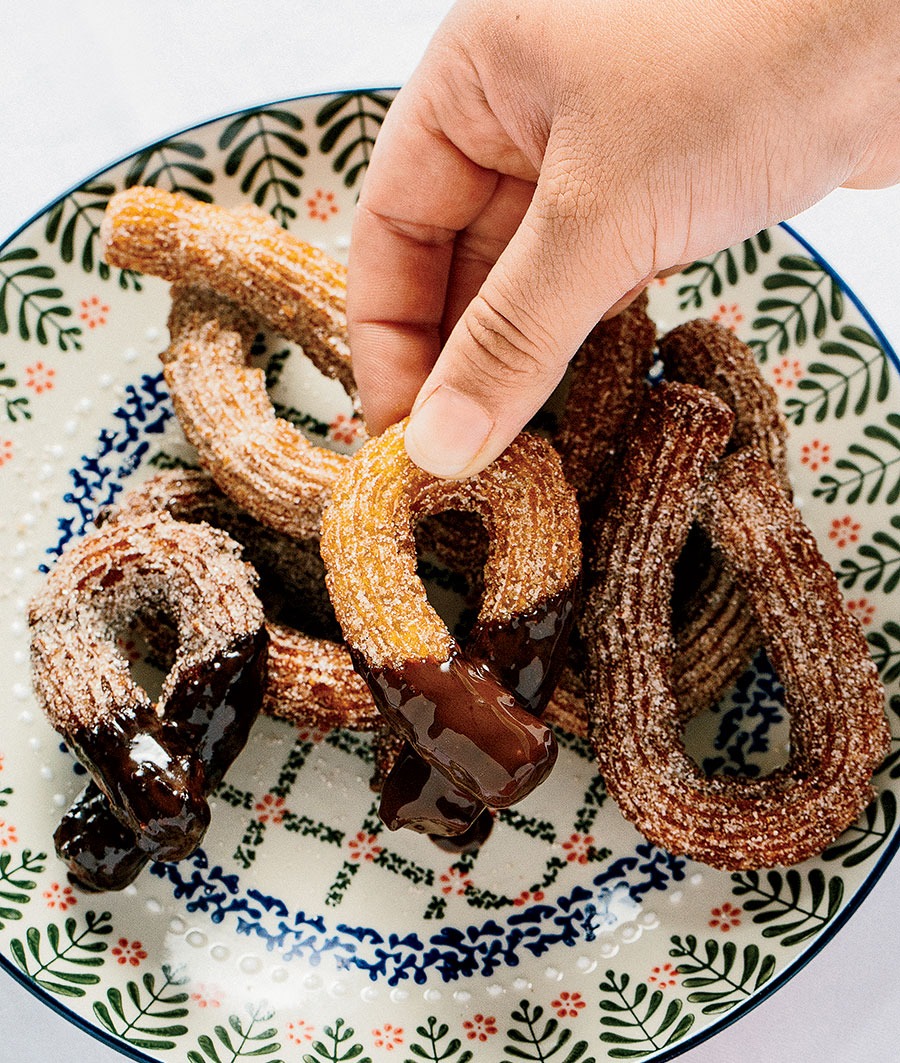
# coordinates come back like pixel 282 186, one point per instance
pixel 511 345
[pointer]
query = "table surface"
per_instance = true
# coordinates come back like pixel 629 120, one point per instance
pixel 84 82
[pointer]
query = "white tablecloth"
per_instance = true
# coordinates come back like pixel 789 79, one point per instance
pixel 83 82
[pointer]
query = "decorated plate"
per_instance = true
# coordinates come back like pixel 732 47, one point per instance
pixel 302 930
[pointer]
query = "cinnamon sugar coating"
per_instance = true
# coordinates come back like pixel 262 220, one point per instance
pixel 152 762
pixel 369 550
pixel 260 460
pixel 707 354
pixel 243 255
pixel 716 633
pixel 608 377
pixel 310 677
pixel 670 475
pixel 193 573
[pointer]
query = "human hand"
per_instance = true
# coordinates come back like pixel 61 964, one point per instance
pixel 548 158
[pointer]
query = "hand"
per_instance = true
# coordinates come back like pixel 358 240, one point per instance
pixel 549 157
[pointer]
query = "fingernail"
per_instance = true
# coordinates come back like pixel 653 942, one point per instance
pixel 447 432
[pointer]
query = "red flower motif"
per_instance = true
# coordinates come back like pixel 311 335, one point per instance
pixel 128 647
pixel 6 450
pixel 8 834
pixel 93 312
pixel 578 848
pixel 526 896
pixel 787 372
pixel 480 1027
pixel 725 917
pixel 270 809
pixel 844 530
pixel 388 1037
pixel 665 976
pixel 815 454
pixel 862 609
pixel 321 205
pixel 206 997
pixel 567 1005
pixel 307 735
pixel 130 952
pixel 61 897
pixel 300 1031
pixel 39 377
pixel 454 881
pixel 363 846
pixel 728 316
pixel 345 429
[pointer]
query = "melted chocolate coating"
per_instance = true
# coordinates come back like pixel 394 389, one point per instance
pixel 207 721
pixel 472 838
pixel 527 655
pixel 100 852
pixel 463 722
pixel 211 712
pixel 156 790
pixel 420 798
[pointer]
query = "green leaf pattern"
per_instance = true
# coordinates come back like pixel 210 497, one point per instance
pixel 17 882
pixel 350 123
pixel 146 1014
pixel 791 906
pixel 241 1039
pixel 804 296
pixel 64 961
pixel 532 1037
pixel 716 980
pixel 636 1020
pixel 265 147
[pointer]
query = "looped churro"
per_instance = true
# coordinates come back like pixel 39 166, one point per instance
pixel 707 354
pixel 310 679
pixel 716 633
pixel 260 460
pixel 243 255
pixel 152 762
pixel 461 709
pixel 608 377
pixel 838 728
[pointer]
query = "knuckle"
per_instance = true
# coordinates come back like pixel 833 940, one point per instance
pixel 499 350
pixel 570 196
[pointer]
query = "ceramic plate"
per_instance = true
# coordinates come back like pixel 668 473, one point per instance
pixel 302 930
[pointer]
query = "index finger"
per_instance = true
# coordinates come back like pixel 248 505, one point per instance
pixel 419 192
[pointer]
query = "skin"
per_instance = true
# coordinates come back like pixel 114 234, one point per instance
pixel 549 157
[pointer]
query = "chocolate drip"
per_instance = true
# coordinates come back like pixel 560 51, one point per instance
pixel 148 808
pixel 469 840
pixel 100 852
pixel 156 790
pixel 209 713
pixel 424 800
pixel 527 655
pixel 462 721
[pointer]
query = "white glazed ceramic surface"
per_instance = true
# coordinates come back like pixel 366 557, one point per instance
pixel 302 930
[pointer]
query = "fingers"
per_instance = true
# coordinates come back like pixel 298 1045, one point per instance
pixel 512 343
pixel 419 193
pixel 478 247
